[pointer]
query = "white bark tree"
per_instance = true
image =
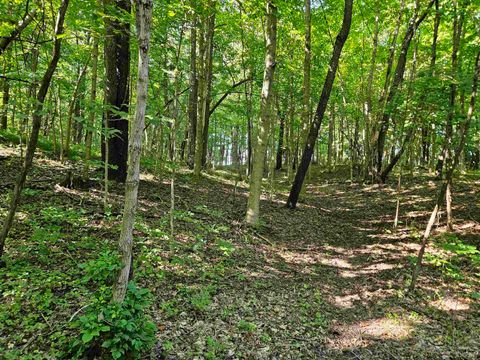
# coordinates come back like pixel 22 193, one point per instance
pixel 266 100
pixel 143 24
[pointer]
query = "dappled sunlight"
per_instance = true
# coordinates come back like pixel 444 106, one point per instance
pixel 451 304
pixel 362 333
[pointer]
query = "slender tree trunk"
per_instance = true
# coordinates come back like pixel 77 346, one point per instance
pixel 397 83
pixel 93 98
pixel 193 95
pixel 6 99
pixel 331 134
pixel 426 137
pixel 36 123
pixel 208 80
pixel 143 23
pixel 306 88
pixel 117 71
pixel 202 91
pixel 71 109
pixel 369 100
pixel 281 137
pixel 266 100
pixel 445 155
pixel 449 175
pixel 322 106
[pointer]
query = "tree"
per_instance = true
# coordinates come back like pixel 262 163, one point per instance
pixel 449 175
pixel 143 16
pixel 266 100
pixel 36 123
pixel 321 107
pixel 414 23
pixel 117 72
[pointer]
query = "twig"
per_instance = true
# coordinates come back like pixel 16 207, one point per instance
pixel 76 312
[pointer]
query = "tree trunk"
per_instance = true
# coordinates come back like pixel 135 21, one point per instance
pixel 71 109
pixel 117 71
pixel 449 175
pixel 331 135
pixel 36 123
pixel 322 106
pixel 369 101
pixel 266 100
pixel 202 91
pixel 445 155
pixel 396 84
pixel 208 80
pixel 193 94
pixel 6 99
pixel 306 88
pixel 93 97
pixel 281 136
pixel 143 24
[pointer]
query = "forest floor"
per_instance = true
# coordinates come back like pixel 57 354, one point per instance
pixel 326 281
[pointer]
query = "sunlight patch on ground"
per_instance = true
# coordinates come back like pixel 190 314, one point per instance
pixel 449 303
pixel 361 333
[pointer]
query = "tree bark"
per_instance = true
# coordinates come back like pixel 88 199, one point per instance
pixel 71 109
pixel 143 23
pixel 208 80
pixel 5 101
pixel 306 88
pixel 266 99
pixel 91 116
pixel 117 71
pixel 445 155
pixel 36 123
pixel 193 94
pixel 281 137
pixel 322 106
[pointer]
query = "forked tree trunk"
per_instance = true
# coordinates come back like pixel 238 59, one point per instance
pixel 143 23
pixel 396 84
pixel 449 175
pixel 266 100
pixel 36 123
pixel 322 106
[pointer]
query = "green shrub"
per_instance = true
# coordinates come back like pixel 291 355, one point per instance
pixel 115 331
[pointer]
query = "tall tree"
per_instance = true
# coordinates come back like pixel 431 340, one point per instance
pixel 266 100
pixel 117 72
pixel 321 107
pixel 36 123
pixel 193 94
pixel 449 174
pixel 143 16
pixel 398 78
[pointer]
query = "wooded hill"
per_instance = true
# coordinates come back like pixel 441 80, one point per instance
pixel 168 144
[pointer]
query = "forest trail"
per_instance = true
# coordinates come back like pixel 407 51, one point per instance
pixel 325 281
